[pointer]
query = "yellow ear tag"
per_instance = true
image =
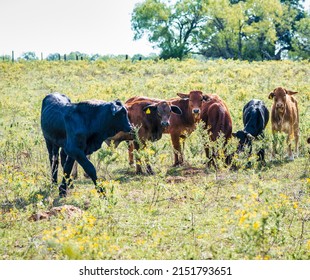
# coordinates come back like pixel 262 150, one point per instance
pixel 148 111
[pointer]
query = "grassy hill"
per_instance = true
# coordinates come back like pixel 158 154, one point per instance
pixel 190 212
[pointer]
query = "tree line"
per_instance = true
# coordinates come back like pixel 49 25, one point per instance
pixel 229 29
pixel 31 56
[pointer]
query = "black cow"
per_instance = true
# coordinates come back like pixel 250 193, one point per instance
pixel 79 130
pixel 255 119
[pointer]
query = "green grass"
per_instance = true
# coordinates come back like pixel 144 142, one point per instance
pixel 190 212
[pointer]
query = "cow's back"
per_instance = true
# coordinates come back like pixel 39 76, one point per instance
pixel 255 117
pixel 53 109
pixel 215 115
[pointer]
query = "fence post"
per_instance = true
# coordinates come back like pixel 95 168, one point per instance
pixel 77 57
pixel 41 55
pixel 126 57
pixel 12 56
pixel 59 58
pixel 65 57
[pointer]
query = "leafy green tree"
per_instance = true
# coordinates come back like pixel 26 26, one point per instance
pixel 243 30
pixel 53 56
pixel 173 28
pixel 237 29
pixel 29 56
pixel 301 40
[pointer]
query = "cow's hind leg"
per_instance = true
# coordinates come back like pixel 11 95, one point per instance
pixel 66 181
pixel 63 157
pixel 296 137
pixel 53 152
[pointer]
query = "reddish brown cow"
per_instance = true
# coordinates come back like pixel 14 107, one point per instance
pixel 152 118
pixel 285 117
pixel 217 120
pixel 180 125
pixel 183 125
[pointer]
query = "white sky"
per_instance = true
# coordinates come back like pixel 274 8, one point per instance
pixel 62 26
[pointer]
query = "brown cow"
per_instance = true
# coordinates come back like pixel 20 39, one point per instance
pixel 185 124
pixel 284 117
pixel 217 120
pixel 152 118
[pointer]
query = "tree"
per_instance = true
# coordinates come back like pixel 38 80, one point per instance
pixel 237 29
pixel 53 56
pixel 301 40
pixel 173 29
pixel 240 29
pixel 29 56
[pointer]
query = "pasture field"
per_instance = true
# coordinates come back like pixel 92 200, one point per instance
pixel 189 212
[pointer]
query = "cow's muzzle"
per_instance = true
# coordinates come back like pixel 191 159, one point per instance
pixel 280 106
pixel 196 111
pixel 165 123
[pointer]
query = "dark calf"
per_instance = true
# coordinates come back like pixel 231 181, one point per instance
pixel 79 130
pixel 255 119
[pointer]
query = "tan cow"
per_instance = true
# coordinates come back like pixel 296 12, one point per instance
pixel 284 117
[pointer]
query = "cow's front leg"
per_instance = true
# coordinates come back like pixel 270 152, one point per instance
pixel 178 156
pixel 138 159
pixel 130 153
pixel 289 147
pixel 66 181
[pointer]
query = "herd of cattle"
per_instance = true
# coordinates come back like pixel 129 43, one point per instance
pixel 76 130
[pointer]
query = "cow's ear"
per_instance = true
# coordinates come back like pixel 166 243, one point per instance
pixel 118 102
pixel 206 97
pixel 183 95
pixel 116 107
pixel 149 109
pixel 289 92
pixel 271 95
pixel 176 110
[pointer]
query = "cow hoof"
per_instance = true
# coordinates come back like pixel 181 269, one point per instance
pixel 62 190
pixel 102 192
pixel 62 194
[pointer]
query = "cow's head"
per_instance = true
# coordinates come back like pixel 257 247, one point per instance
pixel 162 111
pixel 119 112
pixel 279 96
pixel 244 138
pixel 195 99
